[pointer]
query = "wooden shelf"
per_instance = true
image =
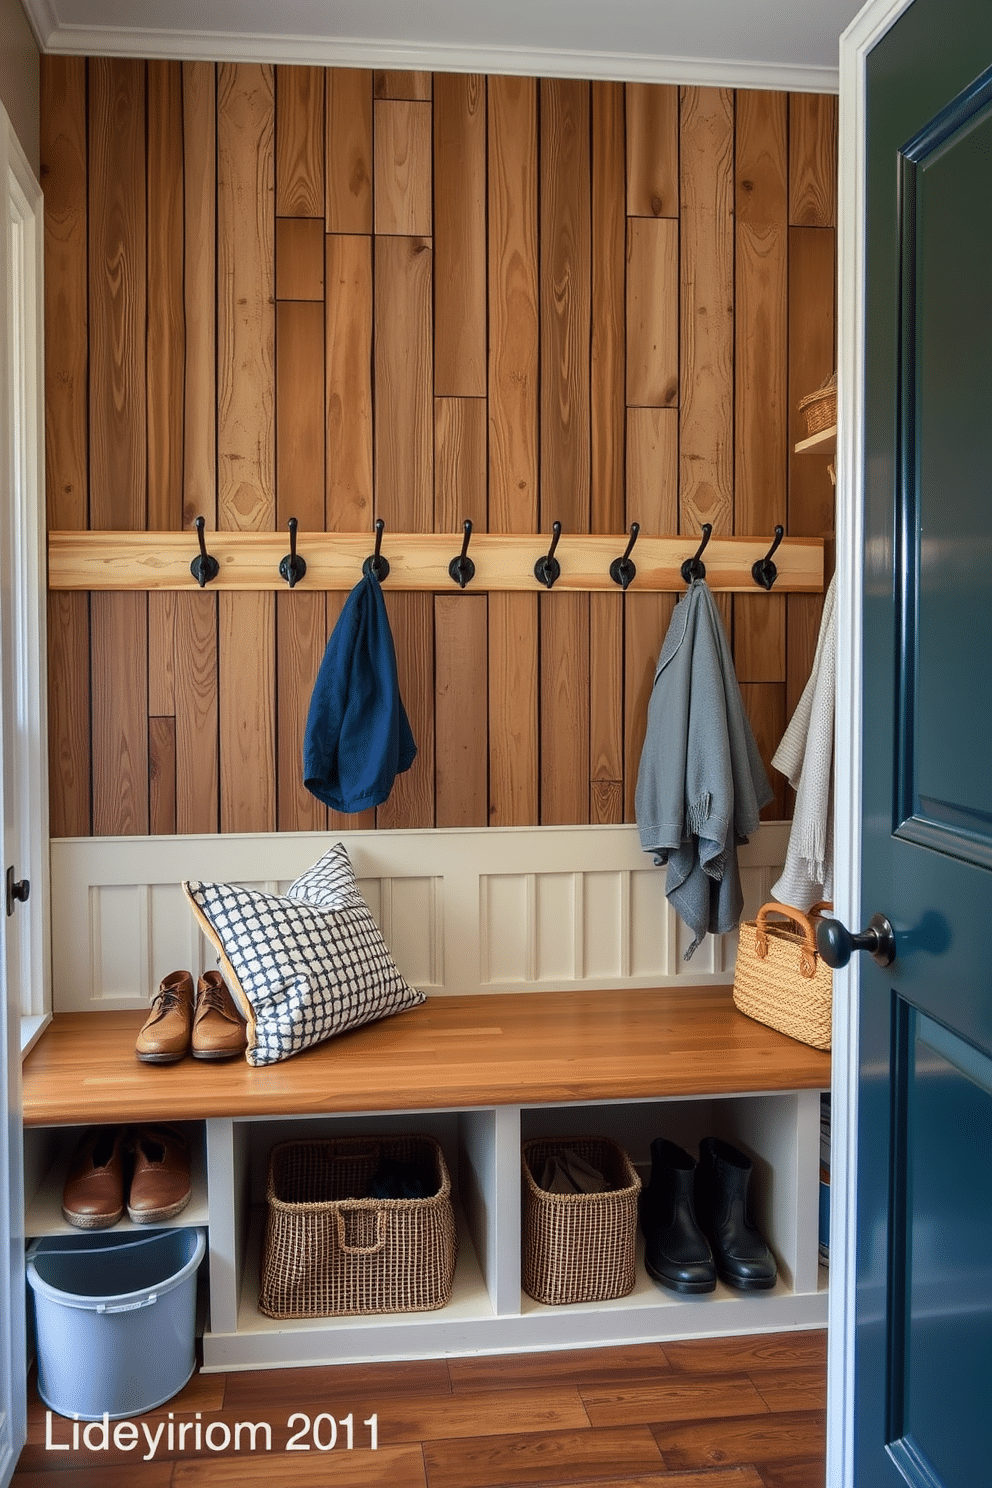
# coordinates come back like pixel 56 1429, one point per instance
pixel 419 561
pixel 823 442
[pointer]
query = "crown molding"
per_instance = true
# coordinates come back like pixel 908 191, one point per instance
pixel 99 41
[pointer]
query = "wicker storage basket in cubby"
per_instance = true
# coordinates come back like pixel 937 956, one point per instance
pixel 329 1251
pixel 579 1247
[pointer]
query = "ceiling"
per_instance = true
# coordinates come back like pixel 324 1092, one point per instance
pixel 771 43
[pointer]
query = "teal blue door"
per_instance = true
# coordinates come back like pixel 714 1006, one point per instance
pixel 923 1343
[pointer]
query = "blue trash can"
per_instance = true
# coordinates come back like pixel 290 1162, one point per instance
pixel 115 1319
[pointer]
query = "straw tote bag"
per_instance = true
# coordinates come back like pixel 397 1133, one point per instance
pixel 781 979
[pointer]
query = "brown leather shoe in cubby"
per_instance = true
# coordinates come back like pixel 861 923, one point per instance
pixel 218 1029
pixel 93 1195
pixel 160 1183
pixel 165 1035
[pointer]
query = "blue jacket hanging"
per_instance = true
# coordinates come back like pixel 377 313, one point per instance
pixel 357 737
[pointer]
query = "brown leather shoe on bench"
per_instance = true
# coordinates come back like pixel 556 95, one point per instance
pixel 93 1196
pixel 160 1183
pixel 218 1029
pixel 165 1035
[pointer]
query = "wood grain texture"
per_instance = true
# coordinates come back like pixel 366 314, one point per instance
pixel 460 235
pixel 161 776
pixel 64 177
pixel 565 696
pixel 299 141
pixel 607 369
pixel 348 385
pixel 813 159
pixel 162 653
pixel 461 646
pixel 117 294
pixel 404 403
pixel 411 802
pixel 566 306
pixel 652 469
pixel 513 710
pixel 299 258
pixel 200 292
pixel 301 635
pixel 246 697
pixel 676 1399
pixel 805 612
pixel 417 85
pixel 812 357
pixel 165 342
pixel 197 714
pixel 245 295
pixel 707 320
pixel 69 715
pixel 542 1047
pixel 764 703
pixel 759 637
pixel 760 1439
pixel 605 708
pixel 652 312
pixel 577 1456
pixel 402 173
pixel 348 112
pixel 513 305
pixel 460 462
pixel 119 680
pixel 646 621
pixel 300 407
pixel 652 150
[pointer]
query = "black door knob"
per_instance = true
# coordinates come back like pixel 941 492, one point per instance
pixel 835 942
pixel 17 890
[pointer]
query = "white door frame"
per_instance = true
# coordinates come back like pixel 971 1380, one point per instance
pixel 864 32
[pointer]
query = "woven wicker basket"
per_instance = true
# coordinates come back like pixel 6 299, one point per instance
pixel 328 1253
pixel 820 408
pixel 780 978
pixel 579 1247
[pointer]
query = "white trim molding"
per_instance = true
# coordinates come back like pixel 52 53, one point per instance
pixel 864 33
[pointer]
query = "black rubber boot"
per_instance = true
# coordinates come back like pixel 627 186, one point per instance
pixel 676 1252
pixel 743 1260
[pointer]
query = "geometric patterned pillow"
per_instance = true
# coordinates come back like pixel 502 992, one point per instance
pixel 301 974
pixel 330 883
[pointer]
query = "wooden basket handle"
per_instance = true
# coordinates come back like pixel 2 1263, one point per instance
pixel 807 954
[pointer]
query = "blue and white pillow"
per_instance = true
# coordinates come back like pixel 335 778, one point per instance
pixel 330 883
pixel 301 973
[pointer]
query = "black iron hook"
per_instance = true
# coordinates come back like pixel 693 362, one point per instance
pixel 764 571
pixel 622 570
pixel 203 568
pixel 292 568
pixel 692 568
pixel 548 569
pixel 375 564
pixel 462 569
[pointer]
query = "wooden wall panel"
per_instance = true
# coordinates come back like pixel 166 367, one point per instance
pixel 333 294
pixel 200 292
pixel 707 335
pixel 348 112
pixel 117 294
pixel 461 710
pixel 165 346
pixel 513 308
pixel 348 390
pixel 245 297
pixel 460 236
pixel 64 171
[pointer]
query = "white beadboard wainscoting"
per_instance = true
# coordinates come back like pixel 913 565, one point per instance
pixel 463 910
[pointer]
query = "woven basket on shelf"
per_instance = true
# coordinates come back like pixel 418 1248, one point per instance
pixel 579 1247
pixel 328 1252
pixel 780 978
pixel 820 408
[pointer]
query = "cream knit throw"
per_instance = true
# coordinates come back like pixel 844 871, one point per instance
pixel 806 757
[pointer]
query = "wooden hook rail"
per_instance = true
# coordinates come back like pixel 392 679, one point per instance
pixel 251 561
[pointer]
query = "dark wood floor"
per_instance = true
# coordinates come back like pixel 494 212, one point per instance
pixel 711 1413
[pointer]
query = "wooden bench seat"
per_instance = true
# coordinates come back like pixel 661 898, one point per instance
pixel 450 1053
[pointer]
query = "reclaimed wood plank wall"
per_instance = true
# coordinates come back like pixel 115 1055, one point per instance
pixel 337 294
